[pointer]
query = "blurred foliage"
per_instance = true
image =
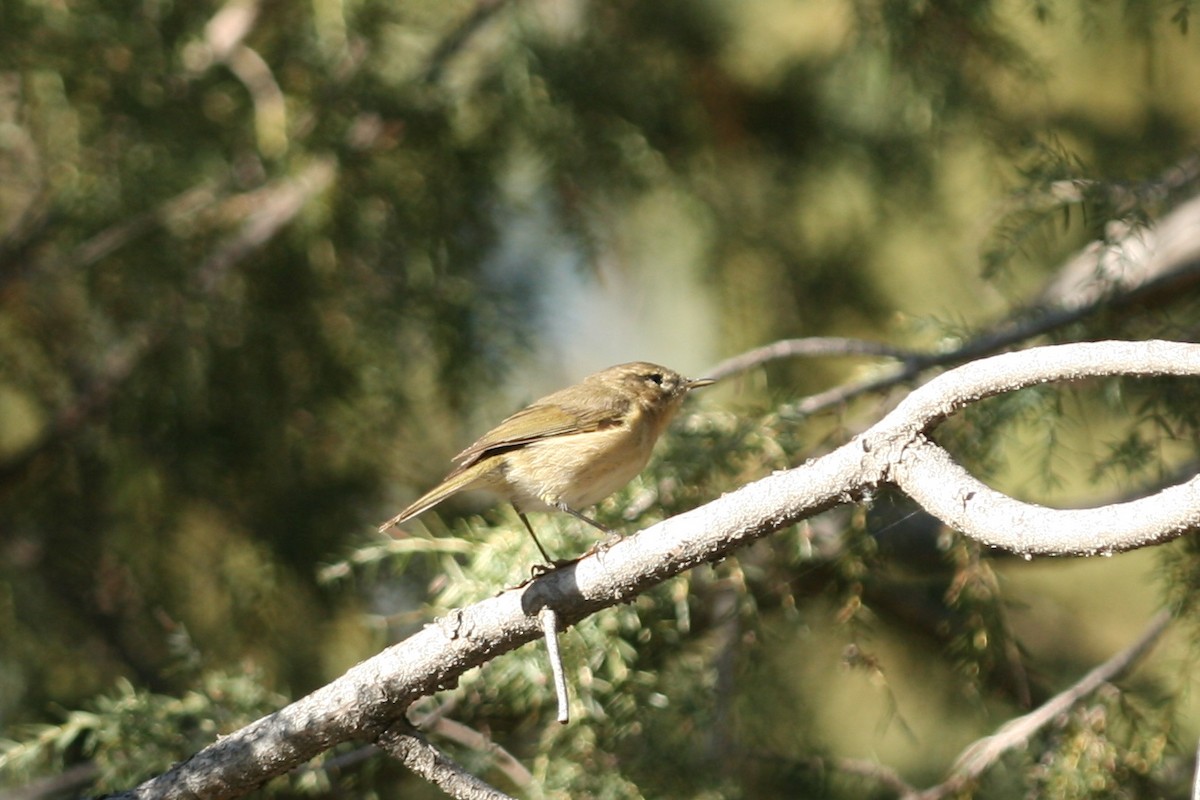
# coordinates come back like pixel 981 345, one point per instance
pixel 130 734
pixel 265 267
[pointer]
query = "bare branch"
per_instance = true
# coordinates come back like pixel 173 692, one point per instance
pixel 229 27
pixel 810 347
pixel 1130 265
pixel 276 205
pixel 983 754
pixel 458 38
pixel 1132 258
pixel 455 731
pixel 372 696
pixel 928 474
pixel 224 43
pixel 883 775
pixel 270 105
pixel 70 781
pixel 187 203
pixel 931 477
pixel 416 753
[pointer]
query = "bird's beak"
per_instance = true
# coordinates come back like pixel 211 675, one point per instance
pixel 698 382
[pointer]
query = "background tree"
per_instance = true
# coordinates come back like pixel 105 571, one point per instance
pixel 264 268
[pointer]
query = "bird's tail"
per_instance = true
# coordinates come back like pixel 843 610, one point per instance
pixel 473 477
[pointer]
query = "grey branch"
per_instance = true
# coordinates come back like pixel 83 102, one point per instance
pixel 1132 264
pixel 809 347
pixel 927 473
pixel 415 752
pixel 501 759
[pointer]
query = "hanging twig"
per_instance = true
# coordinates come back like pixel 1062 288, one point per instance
pixel 549 620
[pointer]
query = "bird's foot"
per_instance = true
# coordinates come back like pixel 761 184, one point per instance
pixel 604 544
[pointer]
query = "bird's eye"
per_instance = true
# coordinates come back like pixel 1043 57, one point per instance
pixel 654 377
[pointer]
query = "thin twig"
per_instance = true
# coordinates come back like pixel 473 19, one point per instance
pixel 70 781
pixel 881 773
pixel 277 204
pixel 418 754
pixel 727 629
pixel 1158 258
pixel 984 753
pixel 810 347
pixel 1004 335
pixel 187 203
pixel 270 104
pixel 549 620
pixel 437 724
pixel 457 39
pixel 440 725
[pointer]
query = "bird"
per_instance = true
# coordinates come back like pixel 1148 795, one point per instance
pixel 570 449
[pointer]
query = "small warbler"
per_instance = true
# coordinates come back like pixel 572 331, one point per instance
pixel 570 449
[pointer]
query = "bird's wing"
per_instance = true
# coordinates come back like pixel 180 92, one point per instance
pixel 537 422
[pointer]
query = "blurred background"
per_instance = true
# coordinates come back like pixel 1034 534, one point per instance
pixel 265 267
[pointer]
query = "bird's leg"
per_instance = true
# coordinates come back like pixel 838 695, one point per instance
pixel 612 538
pixel 529 528
pixel 598 525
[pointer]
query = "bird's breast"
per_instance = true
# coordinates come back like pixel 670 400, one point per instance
pixel 579 469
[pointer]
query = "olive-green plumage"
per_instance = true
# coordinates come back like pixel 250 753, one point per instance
pixel 570 449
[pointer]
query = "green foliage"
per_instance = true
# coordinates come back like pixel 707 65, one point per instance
pixel 131 734
pixel 1102 749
